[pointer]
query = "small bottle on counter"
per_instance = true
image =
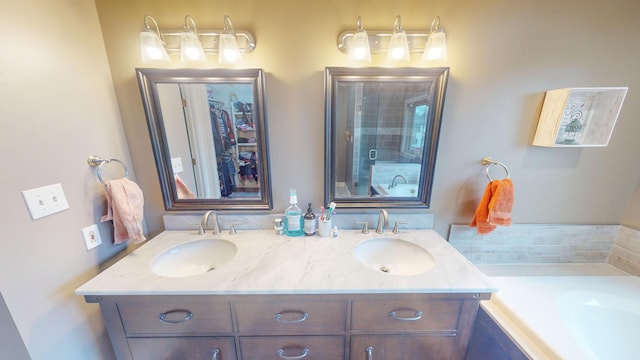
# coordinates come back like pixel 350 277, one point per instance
pixel 309 222
pixel 278 226
pixel 293 225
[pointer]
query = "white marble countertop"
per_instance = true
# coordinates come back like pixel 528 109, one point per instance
pixel 266 263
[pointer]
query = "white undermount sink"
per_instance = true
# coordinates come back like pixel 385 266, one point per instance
pixel 193 258
pixel 394 256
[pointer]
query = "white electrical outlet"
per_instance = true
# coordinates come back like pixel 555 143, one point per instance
pixel 176 165
pixel 45 200
pixel 91 236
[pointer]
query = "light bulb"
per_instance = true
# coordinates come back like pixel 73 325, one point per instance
pixel 398 48
pixel 436 47
pixel 229 53
pixel 360 50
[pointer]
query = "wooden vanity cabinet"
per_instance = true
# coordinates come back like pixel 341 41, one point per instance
pixel 410 327
pixel 290 327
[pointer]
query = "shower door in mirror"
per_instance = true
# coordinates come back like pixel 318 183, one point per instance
pixel 386 123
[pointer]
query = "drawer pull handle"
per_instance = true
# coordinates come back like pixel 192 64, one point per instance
pixel 303 317
pixel 369 350
pixel 394 315
pixel 164 317
pixel 280 353
pixel 215 353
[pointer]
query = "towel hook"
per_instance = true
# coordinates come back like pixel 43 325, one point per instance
pixel 488 161
pixel 94 160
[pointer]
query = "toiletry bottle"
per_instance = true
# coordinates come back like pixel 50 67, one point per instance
pixel 293 225
pixel 278 226
pixel 309 222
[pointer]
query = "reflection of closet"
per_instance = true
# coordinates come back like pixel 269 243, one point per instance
pixel 245 132
pixel 225 141
pixel 234 135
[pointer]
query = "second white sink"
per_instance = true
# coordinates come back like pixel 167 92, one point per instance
pixel 394 256
pixel 194 257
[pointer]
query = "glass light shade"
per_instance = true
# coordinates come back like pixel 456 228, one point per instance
pixel 398 48
pixel 151 47
pixel 190 48
pixel 360 51
pixel 228 51
pixel 436 47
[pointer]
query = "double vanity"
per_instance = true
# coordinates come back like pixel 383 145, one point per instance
pixel 257 295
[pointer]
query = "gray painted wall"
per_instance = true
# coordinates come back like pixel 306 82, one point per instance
pixel 58 106
pixel 503 56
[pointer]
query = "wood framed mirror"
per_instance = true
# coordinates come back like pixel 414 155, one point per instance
pixel 381 135
pixel 209 136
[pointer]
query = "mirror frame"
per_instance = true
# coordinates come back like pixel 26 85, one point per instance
pixel 148 80
pixel 334 75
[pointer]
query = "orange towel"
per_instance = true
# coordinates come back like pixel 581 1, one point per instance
pixel 183 190
pixel 495 206
pixel 125 207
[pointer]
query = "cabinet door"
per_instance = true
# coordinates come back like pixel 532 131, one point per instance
pixel 404 347
pixel 292 347
pixel 292 317
pixel 182 348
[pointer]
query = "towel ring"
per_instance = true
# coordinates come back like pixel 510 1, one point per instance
pixel 94 161
pixel 488 161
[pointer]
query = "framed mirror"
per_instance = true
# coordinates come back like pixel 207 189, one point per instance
pixel 381 136
pixel 209 137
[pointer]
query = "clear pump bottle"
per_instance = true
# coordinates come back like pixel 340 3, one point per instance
pixel 293 225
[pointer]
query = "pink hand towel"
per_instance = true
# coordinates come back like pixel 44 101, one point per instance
pixel 125 207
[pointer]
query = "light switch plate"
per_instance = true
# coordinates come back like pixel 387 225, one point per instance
pixel 91 236
pixel 45 200
pixel 176 165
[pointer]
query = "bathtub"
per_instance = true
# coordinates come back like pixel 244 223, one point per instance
pixel 569 317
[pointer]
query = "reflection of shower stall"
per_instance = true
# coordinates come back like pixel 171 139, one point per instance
pixel 374 121
pixel 385 123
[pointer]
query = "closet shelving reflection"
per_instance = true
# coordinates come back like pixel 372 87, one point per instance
pixel 245 132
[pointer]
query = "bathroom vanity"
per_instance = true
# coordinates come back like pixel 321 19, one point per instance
pixel 357 296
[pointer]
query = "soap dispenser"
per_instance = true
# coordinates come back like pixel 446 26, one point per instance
pixel 309 222
pixel 293 225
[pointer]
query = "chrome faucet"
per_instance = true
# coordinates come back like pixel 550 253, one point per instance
pixel 393 182
pixel 203 223
pixel 383 221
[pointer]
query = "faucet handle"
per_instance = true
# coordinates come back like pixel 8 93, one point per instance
pixel 232 229
pixel 365 226
pixel 396 229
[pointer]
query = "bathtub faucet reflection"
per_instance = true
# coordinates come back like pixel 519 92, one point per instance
pixel 393 182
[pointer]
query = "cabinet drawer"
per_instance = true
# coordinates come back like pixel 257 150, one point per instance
pixel 192 348
pixel 177 316
pixel 292 348
pixel 406 315
pixel 291 317
pixel 405 347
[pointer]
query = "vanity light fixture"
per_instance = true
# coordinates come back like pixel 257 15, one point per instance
pixel 228 52
pixel 190 47
pixel 151 43
pixel 192 44
pixel 360 50
pixel 436 47
pixel 398 51
pixel 397 45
